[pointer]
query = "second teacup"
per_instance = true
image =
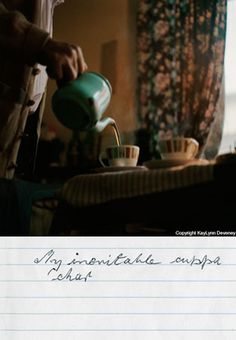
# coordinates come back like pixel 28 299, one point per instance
pixel 178 148
pixel 120 155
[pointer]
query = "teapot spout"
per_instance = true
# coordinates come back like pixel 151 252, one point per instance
pixel 103 123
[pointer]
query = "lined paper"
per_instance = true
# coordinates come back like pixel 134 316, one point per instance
pixel 118 288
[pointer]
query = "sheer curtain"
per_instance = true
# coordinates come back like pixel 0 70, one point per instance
pixel 181 47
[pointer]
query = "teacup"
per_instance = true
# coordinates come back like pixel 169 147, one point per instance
pixel 178 148
pixel 120 155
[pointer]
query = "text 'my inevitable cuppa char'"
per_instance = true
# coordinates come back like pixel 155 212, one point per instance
pixel 57 265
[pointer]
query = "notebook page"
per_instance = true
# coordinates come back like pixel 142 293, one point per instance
pixel 118 288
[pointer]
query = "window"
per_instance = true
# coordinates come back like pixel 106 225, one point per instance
pixel 229 133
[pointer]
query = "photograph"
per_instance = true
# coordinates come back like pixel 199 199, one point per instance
pixel 117 117
pixel 117 169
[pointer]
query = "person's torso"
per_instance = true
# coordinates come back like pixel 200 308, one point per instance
pixel 40 13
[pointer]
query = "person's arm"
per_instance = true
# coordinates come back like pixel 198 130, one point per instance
pixel 20 39
pixel 24 41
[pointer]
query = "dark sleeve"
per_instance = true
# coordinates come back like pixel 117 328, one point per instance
pixel 20 39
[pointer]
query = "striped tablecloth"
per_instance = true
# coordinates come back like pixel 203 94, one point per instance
pixel 92 189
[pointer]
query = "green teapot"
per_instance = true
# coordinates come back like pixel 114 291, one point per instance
pixel 80 104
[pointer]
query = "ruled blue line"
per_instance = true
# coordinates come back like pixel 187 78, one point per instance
pixel 118 265
pixel 117 297
pixel 118 248
pixel 118 281
pixel 117 330
pixel 135 313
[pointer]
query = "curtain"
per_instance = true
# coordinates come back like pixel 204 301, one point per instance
pixel 181 47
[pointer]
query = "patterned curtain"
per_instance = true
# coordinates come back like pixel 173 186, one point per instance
pixel 180 68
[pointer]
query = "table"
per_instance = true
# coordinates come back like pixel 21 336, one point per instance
pixel 196 198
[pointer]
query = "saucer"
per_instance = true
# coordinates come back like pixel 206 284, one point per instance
pixel 169 163
pixel 118 168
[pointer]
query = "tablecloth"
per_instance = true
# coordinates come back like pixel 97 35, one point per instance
pixel 91 189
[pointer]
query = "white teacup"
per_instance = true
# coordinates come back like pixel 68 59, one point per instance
pixel 120 155
pixel 178 148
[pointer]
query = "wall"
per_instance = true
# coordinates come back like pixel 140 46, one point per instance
pixel 90 24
